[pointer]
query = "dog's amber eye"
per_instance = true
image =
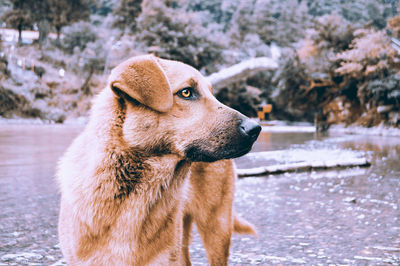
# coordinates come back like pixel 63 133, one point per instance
pixel 186 93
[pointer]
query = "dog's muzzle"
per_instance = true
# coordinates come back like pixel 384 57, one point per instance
pixel 225 143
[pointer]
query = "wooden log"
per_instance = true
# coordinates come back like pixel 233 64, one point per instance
pixel 303 166
pixel 241 71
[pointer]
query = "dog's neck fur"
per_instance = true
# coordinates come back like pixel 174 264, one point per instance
pixel 139 165
pixel 137 180
pixel 133 168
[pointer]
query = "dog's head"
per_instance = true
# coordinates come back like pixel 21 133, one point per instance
pixel 170 109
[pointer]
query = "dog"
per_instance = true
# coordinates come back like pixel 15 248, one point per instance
pixel 144 167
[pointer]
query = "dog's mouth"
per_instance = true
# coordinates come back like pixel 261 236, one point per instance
pixel 202 151
pixel 239 153
pixel 225 143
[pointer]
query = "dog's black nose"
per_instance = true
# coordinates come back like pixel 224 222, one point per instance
pixel 250 129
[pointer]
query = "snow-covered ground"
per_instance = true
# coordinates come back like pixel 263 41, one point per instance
pixel 284 126
pixel 22 121
pixel 357 130
pixel 37 121
pixel 304 155
pixel 304 127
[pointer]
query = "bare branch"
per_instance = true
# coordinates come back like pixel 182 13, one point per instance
pixel 241 71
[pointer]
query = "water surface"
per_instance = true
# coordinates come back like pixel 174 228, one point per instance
pixel 330 217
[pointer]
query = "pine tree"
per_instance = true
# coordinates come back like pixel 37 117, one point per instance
pixel 66 12
pixel 164 31
pixel 283 22
pixel 266 19
pixel 42 17
pixel 5 5
pixel 126 13
pixel 332 32
pixel 242 22
pixel 291 22
pixel 322 7
pixel 103 7
pixel 19 17
pixel 211 9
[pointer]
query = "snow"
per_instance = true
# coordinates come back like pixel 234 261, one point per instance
pixel 275 52
pixel 303 127
pixel 285 126
pixel 299 129
pixel 21 256
pixel 301 166
pixel 357 130
pixel 82 120
pixel 301 159
pixel 22 121
pixel 307 155
pixel 78 121
pixel 242 70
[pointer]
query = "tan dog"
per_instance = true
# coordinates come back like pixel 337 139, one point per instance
pixel 126 198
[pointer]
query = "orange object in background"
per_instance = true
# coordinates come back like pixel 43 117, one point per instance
pixel 264 111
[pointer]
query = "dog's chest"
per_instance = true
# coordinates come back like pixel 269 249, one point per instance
pixel 155 225
pixel 154 208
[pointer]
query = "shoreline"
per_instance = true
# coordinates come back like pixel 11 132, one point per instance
pixel 275 126
pixel 380 130
pixel 79 121
pixel 304 127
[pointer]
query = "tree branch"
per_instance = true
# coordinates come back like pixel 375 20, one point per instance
pixel 241 71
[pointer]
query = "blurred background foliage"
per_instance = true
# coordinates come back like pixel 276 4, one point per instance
pixel 336 60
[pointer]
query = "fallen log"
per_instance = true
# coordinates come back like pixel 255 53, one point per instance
pixel 303 166
pixel 241 71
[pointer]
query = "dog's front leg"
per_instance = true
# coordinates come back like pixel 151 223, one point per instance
pixel 216 238
pixel 187 233
pixel 176 255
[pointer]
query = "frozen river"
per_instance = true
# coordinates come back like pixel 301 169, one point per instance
pixel 349 217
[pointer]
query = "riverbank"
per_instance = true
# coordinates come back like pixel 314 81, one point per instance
pixel 380 130
pixel 82 120
pixel 304 127
pixel 267 126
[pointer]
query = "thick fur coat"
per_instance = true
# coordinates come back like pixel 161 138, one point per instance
pixel 142 170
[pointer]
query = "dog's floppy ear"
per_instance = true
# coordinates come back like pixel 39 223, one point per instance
pixel 143 79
